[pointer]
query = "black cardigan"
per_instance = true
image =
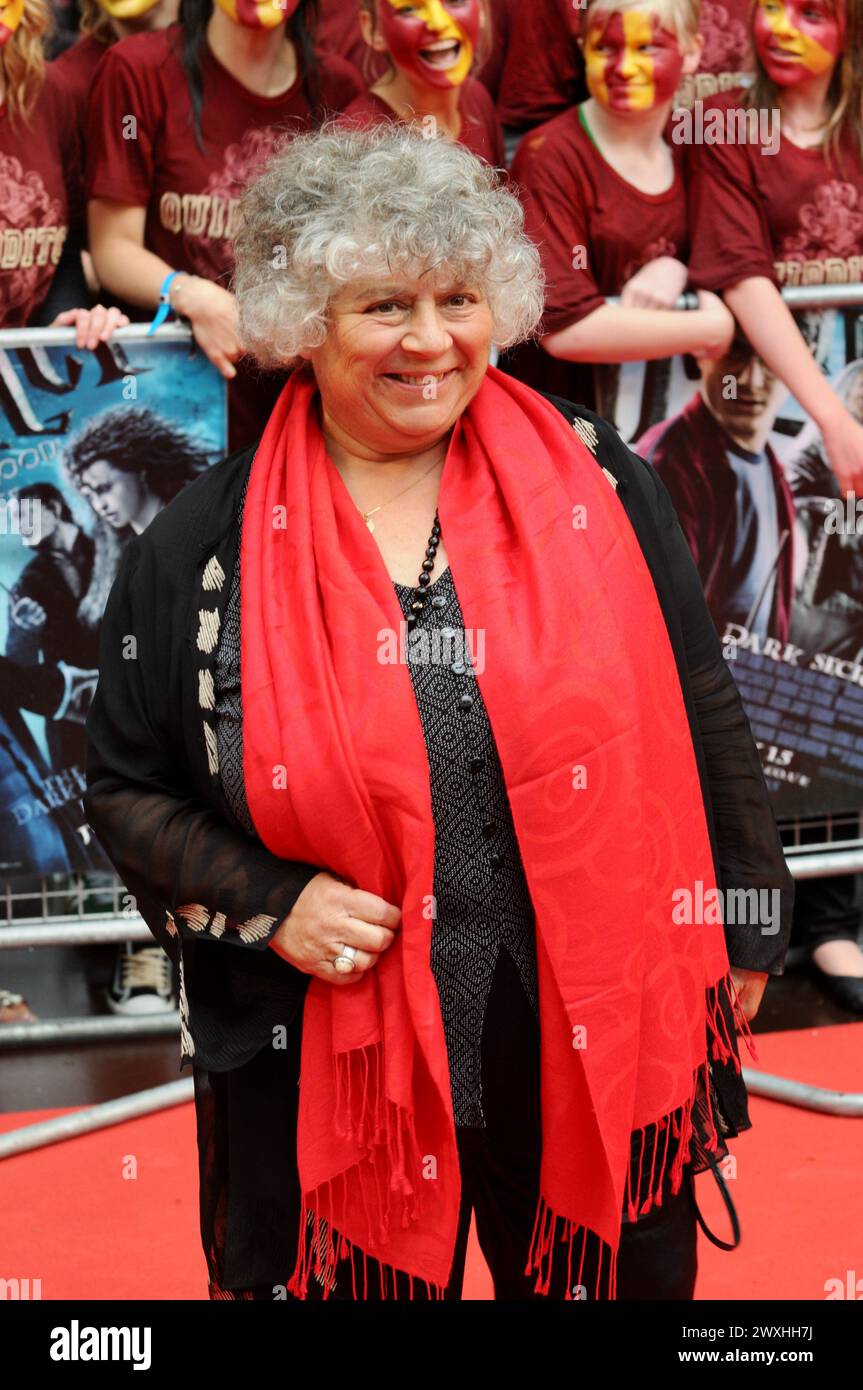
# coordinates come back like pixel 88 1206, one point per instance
pixel 154 794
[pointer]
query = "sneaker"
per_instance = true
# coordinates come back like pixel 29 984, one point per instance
pixel 142 981
pixel 14 1008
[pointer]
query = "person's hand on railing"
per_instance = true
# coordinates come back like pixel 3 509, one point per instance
pixel 657 285
pixel 92 326
pixel 328 915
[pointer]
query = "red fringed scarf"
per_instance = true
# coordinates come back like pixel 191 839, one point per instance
pixel 582 691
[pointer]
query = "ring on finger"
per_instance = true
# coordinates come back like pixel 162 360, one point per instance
pixel 345 962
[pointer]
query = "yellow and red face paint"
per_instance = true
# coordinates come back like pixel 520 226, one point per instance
pixel 10 17
pixel 411 27
pixel 126 9
pixel 797 39
pixel 631 62
pixel 258 14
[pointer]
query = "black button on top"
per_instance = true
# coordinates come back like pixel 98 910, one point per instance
pixel 476 764
pixel 465 702
pixel 489 829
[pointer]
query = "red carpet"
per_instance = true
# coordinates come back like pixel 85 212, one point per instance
pixel 75 1216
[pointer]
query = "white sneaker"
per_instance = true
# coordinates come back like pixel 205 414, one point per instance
pixel 142 981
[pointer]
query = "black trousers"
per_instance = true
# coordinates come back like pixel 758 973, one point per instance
pixel 500 1170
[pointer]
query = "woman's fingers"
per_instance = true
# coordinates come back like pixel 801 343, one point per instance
pixel 369 907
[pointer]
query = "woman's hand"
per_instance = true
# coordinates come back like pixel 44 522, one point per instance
pixel 657 285
pixel 212 312
pixel 92 326
pixel 750 986
pixel 843 445
pixel 328 915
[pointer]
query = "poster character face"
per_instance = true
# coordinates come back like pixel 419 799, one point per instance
pixel 119 498
pixel 743 394
pixel 11 15
pixel 631 62
pixel 797 39
pixel 259 14
pixel 127 9
pixel 432 40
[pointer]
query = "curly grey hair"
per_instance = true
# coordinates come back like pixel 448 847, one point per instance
pixel 345 201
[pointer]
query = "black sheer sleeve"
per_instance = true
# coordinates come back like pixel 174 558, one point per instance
pixel 749 846
pixel 188 869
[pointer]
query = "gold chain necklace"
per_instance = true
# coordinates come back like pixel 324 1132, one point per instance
pixel 367 516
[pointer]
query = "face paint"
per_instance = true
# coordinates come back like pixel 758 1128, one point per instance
pixel 797 39
pixel 10 18
pixel 126 9
pixel 432 40
pixel 258 14
pixel 631 62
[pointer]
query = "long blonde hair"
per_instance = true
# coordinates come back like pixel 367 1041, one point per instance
pixel 845 125
pixel 23 58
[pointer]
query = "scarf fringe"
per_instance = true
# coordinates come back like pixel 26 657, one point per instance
pixel 385 1124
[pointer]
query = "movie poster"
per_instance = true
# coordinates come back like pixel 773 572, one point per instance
pixel 93 446
pixel 777 548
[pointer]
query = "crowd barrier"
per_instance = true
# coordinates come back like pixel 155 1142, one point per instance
pixel 87 908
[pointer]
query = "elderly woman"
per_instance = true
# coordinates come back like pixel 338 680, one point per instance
pixel 430 772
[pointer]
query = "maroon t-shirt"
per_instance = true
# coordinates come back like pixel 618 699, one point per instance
pixel 543 73
pixel 594 231
pixel 40 196
pixel 491 71
pixel 727 56
pixel 76 67
pixel 480 128
pixel 593 228
pixel 792 216
pixel 141 150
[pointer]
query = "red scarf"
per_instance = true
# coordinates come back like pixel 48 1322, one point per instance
pixel 582 691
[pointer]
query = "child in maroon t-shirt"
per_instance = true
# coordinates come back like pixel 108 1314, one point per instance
pixel 40 179
pixel 431 50
pixel 605 203
pixel 769 212
pixel 172 142
pixel 103 22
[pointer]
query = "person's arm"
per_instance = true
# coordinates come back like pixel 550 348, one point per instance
pixel 120 176
pixel 188 870
pixel 769 325
pixel 620 333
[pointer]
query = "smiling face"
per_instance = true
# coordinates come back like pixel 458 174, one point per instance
pixel 402 359
pixel 631 62
pixel 431 40
pixel 797 39
pixel 259 14
pixel 10 17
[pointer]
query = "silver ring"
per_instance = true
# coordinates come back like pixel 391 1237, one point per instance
pixel 346 961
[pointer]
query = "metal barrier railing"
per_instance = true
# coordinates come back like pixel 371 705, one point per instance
pixel 89 909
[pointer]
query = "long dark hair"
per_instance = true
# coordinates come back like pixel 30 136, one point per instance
pixel 194 16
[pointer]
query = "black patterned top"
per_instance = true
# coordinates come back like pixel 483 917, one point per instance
pixel 482 903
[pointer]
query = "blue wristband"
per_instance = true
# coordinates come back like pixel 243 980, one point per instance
pixel 164 308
